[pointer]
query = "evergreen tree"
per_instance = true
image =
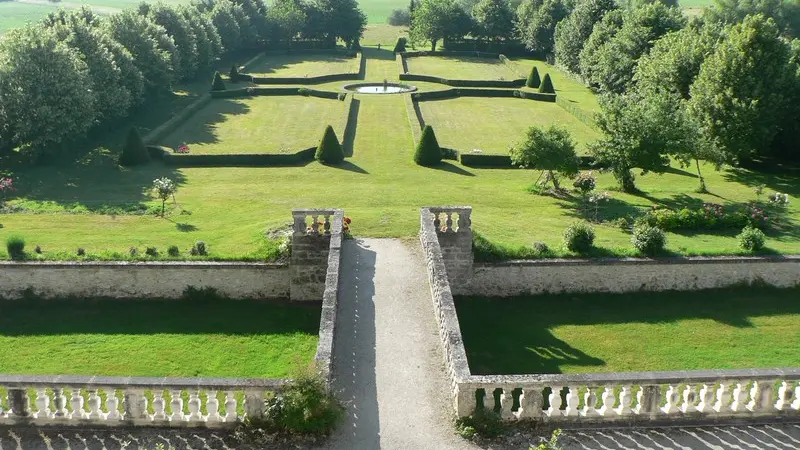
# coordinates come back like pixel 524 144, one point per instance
pixel 533 80
pixel 329 150
pixel 547 86
pixel 428 151
pixel 218 84
pixel 135 152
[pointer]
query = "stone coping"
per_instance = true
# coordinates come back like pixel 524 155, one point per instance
pixel 644 261
pixel 126 264
pixel 330 300
pixel 79 381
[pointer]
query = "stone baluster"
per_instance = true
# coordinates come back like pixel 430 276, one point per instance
pixel 449 222
pixel 506 404
pixel 796 402
pixel 706 404
pixel 299 227
pixel 135 405
pixel 42 404
pixel 112 405
pixel 76 402
pixel 689 399
pixel 159 405
pixel 625 400
pixel 555 402
pixel 176 405
pixel 464 221
pixel 95 404
pixel 19 402
pixel 194 407
pixel 60 404
pixel 436 222
pixel 648 400
pixel 530 403
pixel 230 407
pixel 784 401
pixel 488 399
pixel 739 397
pixel 327 226
pixel 572 402
pixel 607 410
pixel 212 407
pixel 314 224
pixel 254 404
pixel 673 396
pixel 590 402
pixel 723 403
pixel 761 396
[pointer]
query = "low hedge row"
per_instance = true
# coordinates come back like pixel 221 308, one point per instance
pixel 507 48
pixel 464 83
pixel 256 91
pixel 242 160
pixel 451 53
pixel 489 93
pixel 504 161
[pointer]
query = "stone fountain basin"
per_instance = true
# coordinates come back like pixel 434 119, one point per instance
pixel 379 88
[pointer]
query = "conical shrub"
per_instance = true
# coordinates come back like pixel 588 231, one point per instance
pixel 234 75
pixel 428 151
pixel 400 46
pixel 533 80
pixel 329 150
pixel 134 152
pixel 547 85
pixel 218 84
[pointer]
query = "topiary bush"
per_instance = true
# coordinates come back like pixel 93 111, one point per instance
pixel 533 80
pixel 218 84
pixel 751 239
pixel 400 46
pixel 579 237
pixel 329 150
pixel 648 240
pixel 135 152
pixel 234 75
pixel 428 152
pixel 173 251
pixel 547 85
pixel 199 249
pixel 15 245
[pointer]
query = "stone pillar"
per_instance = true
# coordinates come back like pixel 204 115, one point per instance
pixel 310 247
pixel 454 230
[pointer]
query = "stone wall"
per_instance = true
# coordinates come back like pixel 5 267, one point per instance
pixel 629 275
pixel 310 249
pixel 142 280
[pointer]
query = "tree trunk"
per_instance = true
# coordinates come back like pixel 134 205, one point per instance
pixel 433 44
pixel 700 175
pixel 625 179
pixel 555 180
pixel 163 202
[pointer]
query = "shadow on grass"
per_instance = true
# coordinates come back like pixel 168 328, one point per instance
pixel 445 166
pixel 143 316
pixel 201 128
pixel 512 335
pixel 347 165
pixel 350 129
pixel 375 53
pixel 481 64
pixel 185 227
pixel 270 64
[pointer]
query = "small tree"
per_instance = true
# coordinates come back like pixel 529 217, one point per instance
pixel 400 46
pixel 218 84
pixel 550 150
pixel 134 152
pixel 234 75
pixel 533 80
pixel 329 150
pixel 547 85
pixel 428 152
pixel 165 188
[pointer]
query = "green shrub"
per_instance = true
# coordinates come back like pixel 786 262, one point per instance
pixel 329 150
pixel 541 249
pixel 15 245
pixel 648 240
pixel 400 46
pixel 81 251
pixel 234 74
pixel 482 422
pixel 199 249
pixel 217 84
pixel 533 80
pixel 151 251
pixel 709 217
pixel 547 85
pixel 173 251
pixel 751 239
pixel 428 152
pixel 306 406
pixel 134 152
pixel 579 237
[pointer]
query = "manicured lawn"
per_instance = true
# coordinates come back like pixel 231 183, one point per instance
pixel 302 65
pixel 460 68
pixel 384 34
pixel 16 15
pixel 178 338
pixel 567 87
pixel 495 124
pixel 721 329
pixel 268 124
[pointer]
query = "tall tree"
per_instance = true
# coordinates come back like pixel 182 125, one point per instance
pixel 343 19
pixel 494 19
pixel 604 31
pixel 435 20
pixel 286 19
pixel 572 33
pixel 223 17
pixel 536 23
pixel 182 34
pixel 209 46
pixel 550 150
pixel 145 40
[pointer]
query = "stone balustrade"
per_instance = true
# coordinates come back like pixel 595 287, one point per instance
pixel 636 397
pixel 311 245
pixel 463 223
pixel 131 401
pixel 302 227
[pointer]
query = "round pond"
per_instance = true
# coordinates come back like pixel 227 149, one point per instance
pixel 380 88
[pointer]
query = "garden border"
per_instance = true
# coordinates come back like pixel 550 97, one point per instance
pixel 359 74
pixel 406 76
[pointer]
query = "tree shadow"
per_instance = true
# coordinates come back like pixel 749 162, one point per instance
pixel 678 171
pixel 776 178
pixel 613 208
pixel 445 166
pixel 201 129
pixel 185 227
pixel 347 165
pixel 350 130
pixel 375 53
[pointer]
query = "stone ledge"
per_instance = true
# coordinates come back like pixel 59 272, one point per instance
pixel 218 384
pixel 644 261
pixel 4 265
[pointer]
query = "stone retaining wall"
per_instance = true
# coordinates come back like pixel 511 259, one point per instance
pixel 142 280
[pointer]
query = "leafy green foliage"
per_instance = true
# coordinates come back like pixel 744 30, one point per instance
pixel 218 84
pixel 551 150
pixel 482 422
pixel 305 406
pixel 15 246
pixel 428 152
pixel 173 251
pixel 550 444
pixel 494 19
pixel 399 17
pixel 164 189
pixel 343 19
pixel 286 19
pixel 434 20
pixel 579 237
pixel 400 45
pixel 751 239
pixel 329 150
pixel 536 23
pixel 547 85
pixel 572 33
pixel 135 152
pixel 648 240
pixel 533 80
pixel 180 30
pixel 709 217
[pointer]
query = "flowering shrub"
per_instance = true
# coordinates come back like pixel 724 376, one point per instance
pixel 346 227
pixel 710 216
pixel 648 240
pixel 182 149
pixel 6 185
pixel 596 199
pixel 579 237
pixel 585 183
pixel 778 199
pixel 751 239
pixel 164 188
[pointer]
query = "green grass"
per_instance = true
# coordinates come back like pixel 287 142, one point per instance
pixel 460 68
pixel 302 65
pixel 383 34
pixel 268 124
pixel 495 124
pixel 567 87
pixel 177 338
pixel 719 329
pixel 16 15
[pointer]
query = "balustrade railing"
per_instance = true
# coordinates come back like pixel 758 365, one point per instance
pixel 321 221
pixel 443 219
pixel 117 401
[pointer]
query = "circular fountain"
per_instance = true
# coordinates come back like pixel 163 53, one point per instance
pixel 380 88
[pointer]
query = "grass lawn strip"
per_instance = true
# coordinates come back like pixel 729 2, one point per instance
pixel 301 65
pixel 460 68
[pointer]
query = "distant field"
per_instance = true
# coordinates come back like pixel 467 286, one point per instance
pixel 494 124
pixel 302 65
pixel 273 124
pixel 15 15
pixel 460 68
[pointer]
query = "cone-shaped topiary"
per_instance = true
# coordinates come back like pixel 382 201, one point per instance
pixel 428 151
pixel 533 80
pixel 400 46
pixel 547 85
pixel 218 84
pixel 329 150
pixel 134 152
pixel 234 75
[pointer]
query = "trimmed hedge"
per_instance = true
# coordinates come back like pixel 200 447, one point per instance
pixel 533 80
pixel 329 150
pixel 428 152
pixel 134 152
pixel 361 63
pixel 157 152
pixel 586 162
pixel 489 93
pixel 451 53
pixel 241 160
pixel 538 96
pixel 400 46
pixel 471 46
pixel 217 84
pixel 464 83
pixel 547 85
pixel 169 126
pixel 256 91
